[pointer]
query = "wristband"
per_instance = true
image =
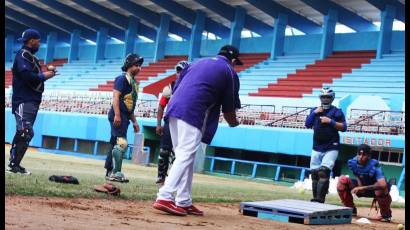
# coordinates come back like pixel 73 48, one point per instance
pixel 41 76
pixel 333 123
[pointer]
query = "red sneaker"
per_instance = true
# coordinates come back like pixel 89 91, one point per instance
pixel 192 210
pixel 169 207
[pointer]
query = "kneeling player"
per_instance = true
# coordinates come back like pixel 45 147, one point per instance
pixel 369 182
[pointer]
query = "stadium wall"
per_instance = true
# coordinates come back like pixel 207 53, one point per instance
pixel 273 140
pixel 88 134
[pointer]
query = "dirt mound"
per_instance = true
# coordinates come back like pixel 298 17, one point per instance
pixel 78 213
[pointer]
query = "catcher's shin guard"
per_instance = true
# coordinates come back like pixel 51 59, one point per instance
pixel 315 179
pixel 323 184
pixel 118 154
pixel 19 146
pixel 343 189
pixel 163 162
pixel 108 160
pixel 384 202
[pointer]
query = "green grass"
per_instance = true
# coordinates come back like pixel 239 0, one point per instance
pixel 206 188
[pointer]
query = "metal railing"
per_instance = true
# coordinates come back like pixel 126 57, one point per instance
pixel 377 121
pixel 367 121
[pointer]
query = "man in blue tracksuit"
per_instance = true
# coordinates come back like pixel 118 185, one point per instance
pixel 28 87
pixel 327 121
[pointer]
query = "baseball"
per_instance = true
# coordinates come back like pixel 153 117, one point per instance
pixel 51 68
pixel 400 226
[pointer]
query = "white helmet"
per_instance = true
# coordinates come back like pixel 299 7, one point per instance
pixel 326 96
pixel 181 65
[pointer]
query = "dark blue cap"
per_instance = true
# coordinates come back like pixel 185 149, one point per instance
pixel 29 34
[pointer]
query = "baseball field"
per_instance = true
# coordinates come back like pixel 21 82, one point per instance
pixel 34 202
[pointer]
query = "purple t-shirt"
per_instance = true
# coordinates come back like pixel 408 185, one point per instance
pixel 201 90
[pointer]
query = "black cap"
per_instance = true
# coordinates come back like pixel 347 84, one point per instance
pixel 364 148
pixel 29 34
pixel 130 60
pixel 231 52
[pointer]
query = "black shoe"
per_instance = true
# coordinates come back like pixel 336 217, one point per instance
pixel 160 181
pixel 317 200
pixel 385 219
pixel 22 170
pixel 354 212
pixel 118 177
pixel 107 174
pixel 12 169
pixel 17 169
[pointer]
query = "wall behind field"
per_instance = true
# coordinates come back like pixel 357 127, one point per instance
pixel 293 45
pixel 254 138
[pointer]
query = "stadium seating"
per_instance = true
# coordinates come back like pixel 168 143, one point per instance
pixel 270 70
pixel 152 71
pixel 9 75
pixel 8 78
pixel 248 59
pixel 381 77
pixel 84 74
pixel 315 75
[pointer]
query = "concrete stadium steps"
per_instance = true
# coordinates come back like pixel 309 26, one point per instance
pixel 383 77
pixel 8 65
pixel 150 71
pixel 9 76
pixel 270 71
pixel 84 74
pixel 315 75
pixel 248 59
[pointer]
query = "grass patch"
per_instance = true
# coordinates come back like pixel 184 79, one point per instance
pixel 206 188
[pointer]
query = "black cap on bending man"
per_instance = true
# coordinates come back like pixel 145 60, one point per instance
pixel 230 52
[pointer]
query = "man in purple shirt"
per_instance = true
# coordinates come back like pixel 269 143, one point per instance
pixel 193 113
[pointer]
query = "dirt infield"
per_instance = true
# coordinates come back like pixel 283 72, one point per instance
pixel 74 213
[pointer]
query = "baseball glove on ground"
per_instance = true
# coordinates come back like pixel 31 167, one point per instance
pixel 64 179
pixel 108 188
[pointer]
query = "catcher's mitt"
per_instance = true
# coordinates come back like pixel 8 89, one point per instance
pixel 108 188
pixel 64 179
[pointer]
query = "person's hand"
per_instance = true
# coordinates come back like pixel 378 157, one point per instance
pixel 357 190
pixel 159 130
pixel 117 120
pixel 325 120
pixel 49 74
pixel 234 124
pixel 318 110
pixel 136 127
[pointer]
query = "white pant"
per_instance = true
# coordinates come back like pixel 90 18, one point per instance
pixel 185 140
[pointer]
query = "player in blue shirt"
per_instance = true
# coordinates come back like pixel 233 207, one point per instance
pixel 369 182
pixel 201 91
pixel 327 121
pixel 125 95
pixel 28 87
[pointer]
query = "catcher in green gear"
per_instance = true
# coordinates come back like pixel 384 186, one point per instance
pixel 122 111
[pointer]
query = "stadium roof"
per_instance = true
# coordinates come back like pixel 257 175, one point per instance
pixel 89 15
